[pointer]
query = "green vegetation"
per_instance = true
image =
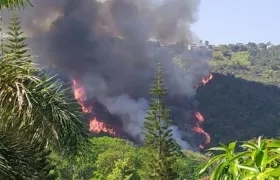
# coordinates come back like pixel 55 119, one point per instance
pixel 15 42
pixel 113 158
pixel 259 161
pixel 42 135
pixel 36 115
pixel 14 3
pixel 252 62
pixel 158 135
pixel 242 101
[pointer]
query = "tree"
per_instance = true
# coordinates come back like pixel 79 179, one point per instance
pixel 16 39
pixel 187 166
pixel 240 59
pixel 17 156
pixel 158 135
pixel 44 165
pixel 116 159
pixel 14 3
pixel 117 165
pixel 109 158
pixel 38 106
pixel 9 4
pixel 123 171
pixel 41 102
pixel 262 46
pixel 20 160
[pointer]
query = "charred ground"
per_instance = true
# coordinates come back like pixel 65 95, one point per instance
pixel 235 108
pixel 242 101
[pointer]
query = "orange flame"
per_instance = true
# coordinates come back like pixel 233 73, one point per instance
pixel 95 125
pixel 80 96
pixel 204 81
pixel 199 117
pixel 207 79
pixel 199 129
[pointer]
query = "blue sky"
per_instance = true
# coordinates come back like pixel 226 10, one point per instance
pixel 233 21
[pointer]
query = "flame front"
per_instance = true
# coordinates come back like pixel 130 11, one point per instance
pixel 207 79
pixel 80 96
pixel 99 126
pixel 95 124
pixel 199 117
pixel 204 81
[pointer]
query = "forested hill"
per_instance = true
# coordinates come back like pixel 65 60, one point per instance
pixel 243 99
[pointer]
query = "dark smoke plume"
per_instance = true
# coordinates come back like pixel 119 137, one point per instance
pixel 107 45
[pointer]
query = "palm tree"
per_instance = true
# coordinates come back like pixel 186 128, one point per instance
pixel 36 112
pixel 39 105
pixel 17 156
pixel 14 3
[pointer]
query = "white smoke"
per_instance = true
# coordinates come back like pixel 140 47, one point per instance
pixel 78 37
pixel 132 113
pixel 178 137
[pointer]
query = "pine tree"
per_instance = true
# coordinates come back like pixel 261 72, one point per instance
pixel 158 135
pixel 1 33
pixel 42 168
pixel 15 42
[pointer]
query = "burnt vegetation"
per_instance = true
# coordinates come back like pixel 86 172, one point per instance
pixel 43 134
pixel 242 100
pixel 235 108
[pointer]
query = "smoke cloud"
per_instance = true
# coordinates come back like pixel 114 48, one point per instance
pixel 106 44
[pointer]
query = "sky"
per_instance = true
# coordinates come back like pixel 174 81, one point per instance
pixel 234 21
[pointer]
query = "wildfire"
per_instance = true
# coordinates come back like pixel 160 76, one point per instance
pixel 207 79
pixel 80 96
pixel 199 130
pixel 204 81
pixel 98 126
pixel 95 125
pixel 199 117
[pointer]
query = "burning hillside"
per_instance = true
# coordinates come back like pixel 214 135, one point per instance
pixel 95 125
pixel 199 118
pixel 105 48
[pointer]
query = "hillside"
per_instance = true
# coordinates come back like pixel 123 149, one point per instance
pixel 242 100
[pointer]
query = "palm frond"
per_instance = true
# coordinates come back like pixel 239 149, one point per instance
pixel 55 113
pixel 37 104
pixel 14 3
pixel 43 107
pixel 17 156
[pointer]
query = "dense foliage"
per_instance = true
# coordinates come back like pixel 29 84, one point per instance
pixel 242 101
pixel 42 135
pixel 158 133
pixel 259 161
pixel 14 3
pixel 37 114
pixel 252 62
pixel 113 158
